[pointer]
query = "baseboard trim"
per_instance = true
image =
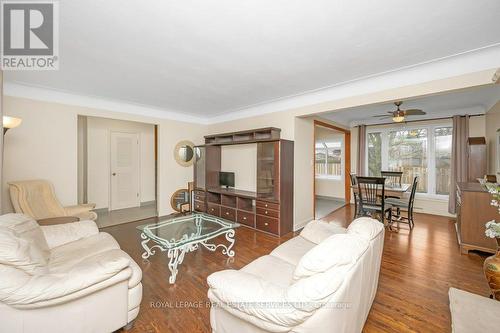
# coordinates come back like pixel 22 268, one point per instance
pixel 142 204
pixel 324 197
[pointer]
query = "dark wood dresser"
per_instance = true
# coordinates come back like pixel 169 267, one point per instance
pixel 473 211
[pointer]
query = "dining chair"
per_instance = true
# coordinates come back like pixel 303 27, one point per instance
pixel 371 192
pixel 405 203
pixel 354 183
pixel 393 178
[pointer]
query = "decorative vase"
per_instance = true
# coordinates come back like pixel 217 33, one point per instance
pixel 492 272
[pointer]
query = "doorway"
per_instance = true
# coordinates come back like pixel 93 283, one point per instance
pixel 332 166
pixel 117 163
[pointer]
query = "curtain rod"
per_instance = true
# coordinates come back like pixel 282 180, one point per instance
pixel 413 121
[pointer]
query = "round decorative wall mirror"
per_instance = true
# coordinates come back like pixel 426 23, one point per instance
pixel 180 200
pixel 184 153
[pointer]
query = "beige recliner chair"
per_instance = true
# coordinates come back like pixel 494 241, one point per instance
pixel 36 198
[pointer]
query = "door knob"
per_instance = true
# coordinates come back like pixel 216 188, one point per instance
pixel 113 174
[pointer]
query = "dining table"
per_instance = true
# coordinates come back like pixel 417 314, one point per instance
pixel 392 190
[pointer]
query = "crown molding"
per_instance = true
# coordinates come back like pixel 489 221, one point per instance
pixel 477 60
pixel 15 89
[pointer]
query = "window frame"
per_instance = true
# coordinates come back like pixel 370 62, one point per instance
pixel 342 157
pixel 431 151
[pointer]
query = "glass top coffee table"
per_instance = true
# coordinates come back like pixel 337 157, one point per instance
pixel 181 235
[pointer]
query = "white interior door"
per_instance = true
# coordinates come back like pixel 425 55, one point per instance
pixel 125 183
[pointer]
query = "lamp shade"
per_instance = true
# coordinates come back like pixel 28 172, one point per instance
pixel 11 122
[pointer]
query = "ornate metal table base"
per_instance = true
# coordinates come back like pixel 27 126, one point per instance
pixel 176 255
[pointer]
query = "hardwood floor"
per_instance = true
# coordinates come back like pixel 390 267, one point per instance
pixel 417 270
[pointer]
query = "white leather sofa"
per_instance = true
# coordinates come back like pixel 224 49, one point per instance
pixel 64 278
pixel 323 280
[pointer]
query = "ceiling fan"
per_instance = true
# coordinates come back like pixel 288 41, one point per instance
pixel 399 115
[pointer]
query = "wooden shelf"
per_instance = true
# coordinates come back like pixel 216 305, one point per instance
pixel 250 136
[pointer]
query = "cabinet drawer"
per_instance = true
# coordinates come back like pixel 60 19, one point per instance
pixel 199 197
pixel 199 206
pixel 268 212
pixel 198 192
pixel 228 213
pixel 213 209
pixel 268 224
pixel 269 205
pixel 246 218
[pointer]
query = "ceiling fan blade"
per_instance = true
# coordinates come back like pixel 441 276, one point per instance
pixel 414 112
pixel 382 116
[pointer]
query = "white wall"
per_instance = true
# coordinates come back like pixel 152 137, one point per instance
pixel 492 125
pixel 45 146
pixel 98 158
pixel 242 160
pixel 327 187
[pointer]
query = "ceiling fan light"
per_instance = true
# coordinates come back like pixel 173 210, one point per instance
pixel 398 119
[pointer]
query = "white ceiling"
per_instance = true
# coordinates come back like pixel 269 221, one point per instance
pixel 471 101
pixel 209 58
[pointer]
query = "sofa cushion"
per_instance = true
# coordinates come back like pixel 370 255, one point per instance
pixel 317 231
pixel 59 234
pixel 337 250
pixel 293 249
pixel 310 293
pixel 365 227
pixel 66 256
pixel 23 244
pixel 281 273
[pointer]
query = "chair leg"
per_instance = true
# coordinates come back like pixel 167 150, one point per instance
pixel 389 224
pixel 355 208
pixel 410 219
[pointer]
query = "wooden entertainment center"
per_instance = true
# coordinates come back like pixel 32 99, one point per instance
pixel 270 208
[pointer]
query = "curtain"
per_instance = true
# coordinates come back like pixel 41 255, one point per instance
pixel 459 157
pixel 361 160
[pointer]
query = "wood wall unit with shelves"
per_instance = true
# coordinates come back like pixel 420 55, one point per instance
pixel 270 208
pixel 473 211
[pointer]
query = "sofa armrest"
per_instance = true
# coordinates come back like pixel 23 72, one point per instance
pixel 60 234
pixel 88 276
pixel 244 294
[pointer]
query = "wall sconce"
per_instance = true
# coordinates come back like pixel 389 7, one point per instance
pixel 10 122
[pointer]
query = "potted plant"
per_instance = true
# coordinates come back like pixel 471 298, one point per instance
pixel 492 263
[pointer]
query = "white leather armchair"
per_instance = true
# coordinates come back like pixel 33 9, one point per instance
pixel 323 280
pixel 64 278
pixel 36 198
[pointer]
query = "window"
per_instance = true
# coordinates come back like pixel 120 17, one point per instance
pixel 423 151
pixel 442 138
pixel 329 159
pixel 408 153
pixel 374 154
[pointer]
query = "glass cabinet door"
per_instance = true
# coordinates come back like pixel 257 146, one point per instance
pixel 267 170
pixel 199 167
